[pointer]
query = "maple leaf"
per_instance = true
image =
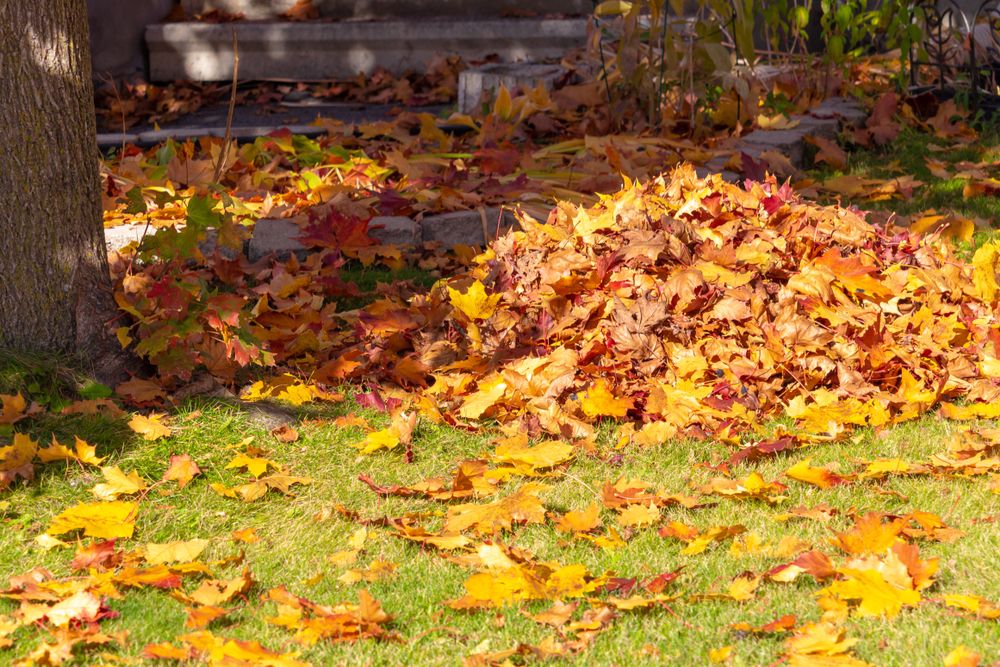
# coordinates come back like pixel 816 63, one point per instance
pixel 151 427
pixel 820 477
pixel 598 401
pixel 753 486
pixel 14 407
pixel 522 506
pixel 639 515
pixel 254 465
pixel 819 644
pixel 869 535
pixel 215 592
pixel 218 651
pixel 247 535
pixel 174 552
pixel 117 483
pixel 82 607
pixel 201 617
pixel 473 302
pixel 399 432
pixel 182 469
pixel 82 452
pixel 15 460
pixel 580 521
pixel 104 520
pixel 877 596
pixel 530 459
pixel 101 555
pixel 986 271
pixel 342 622
pixel 506 581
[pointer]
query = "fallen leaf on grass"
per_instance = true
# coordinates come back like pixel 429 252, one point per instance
pixel 174 552
pixel 104 520
pixel 82 452
pixel 820 477
pixel 117 484
pixel 246 535
pixel 151 427
pixel 182 469
pixel 343 622
pixel 522 506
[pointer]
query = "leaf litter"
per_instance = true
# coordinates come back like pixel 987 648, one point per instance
pixel 679 307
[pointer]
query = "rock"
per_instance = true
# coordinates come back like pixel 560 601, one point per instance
pixel 275 236
pixel 394 230
pixel 466 227
pixel 787 142
pixel 844 109
pixel 475 81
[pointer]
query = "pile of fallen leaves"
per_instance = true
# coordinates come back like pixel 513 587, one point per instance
pixel 698 307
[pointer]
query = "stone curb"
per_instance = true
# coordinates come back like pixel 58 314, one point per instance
pixel 281 50
pixel 108 140
pixel 280 237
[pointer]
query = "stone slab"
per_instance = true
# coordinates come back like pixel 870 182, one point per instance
pixel 475 81
pixel 394 230
pixel 317 50
pixel 848 111
pixel 467 227
pixel 275 236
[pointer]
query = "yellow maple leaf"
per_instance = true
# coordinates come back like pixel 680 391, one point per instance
pixel 174 552
pixel 151 427
pixel 13 408
pixel 489 392
pixel 18 454
pixel 528 459
pixel 639 515
pixel 387 438
pixel 117 483
pixel 474 303
pixel 985 267
pixel 598 401
pixel 104 520
pixel 877 596
pixel 255 465
pixel 522 506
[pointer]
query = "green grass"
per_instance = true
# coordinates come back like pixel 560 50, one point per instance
pixel 294 545
pixel 908 154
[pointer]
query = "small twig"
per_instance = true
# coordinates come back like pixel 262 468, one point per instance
pixel 604 65
pixel 232 108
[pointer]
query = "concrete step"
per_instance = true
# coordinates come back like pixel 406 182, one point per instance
pixel 256 10
pixel 318 50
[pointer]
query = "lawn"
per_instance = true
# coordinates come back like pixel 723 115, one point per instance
pixel 300 535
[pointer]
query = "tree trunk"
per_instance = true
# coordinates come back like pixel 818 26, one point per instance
pixel 55 290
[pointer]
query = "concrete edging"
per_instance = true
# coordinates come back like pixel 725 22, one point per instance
pixel 203 51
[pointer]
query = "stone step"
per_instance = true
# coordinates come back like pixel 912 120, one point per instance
pixel 255 10
pixel 318 50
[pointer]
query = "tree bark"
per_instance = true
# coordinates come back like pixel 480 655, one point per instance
pixel 55 289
